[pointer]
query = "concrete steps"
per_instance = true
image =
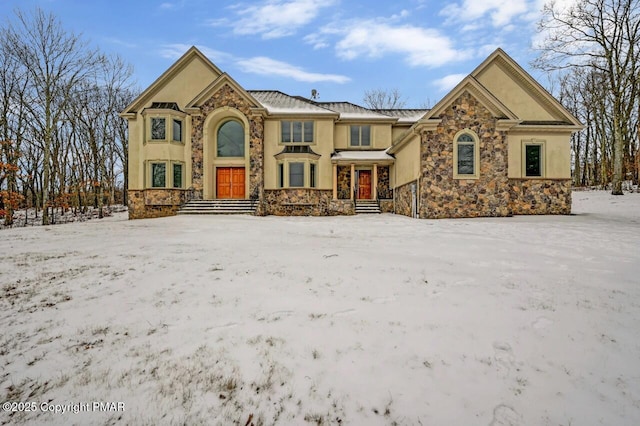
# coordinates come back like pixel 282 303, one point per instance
pixel 218 207
pixel 367 207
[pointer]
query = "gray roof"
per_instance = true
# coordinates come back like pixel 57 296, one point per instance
pixel 408 116
pixel 277 102
pixel 348 111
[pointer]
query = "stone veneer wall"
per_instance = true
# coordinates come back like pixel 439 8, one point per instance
pixel 148 203
pixel 540 196
pixel 403 199
pixel 386 206
pixel 229 97
pixel 344 182
pixel 441 196
pixel 304 202
pixel 384 187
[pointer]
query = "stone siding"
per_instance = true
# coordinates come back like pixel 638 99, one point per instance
pixel 149 203
pixel 384 186
pixel 386 206
pixel 227 96
pixel 540 196
pixel 304 202
pixel 441 195
pixel 344 182
pixel 403 199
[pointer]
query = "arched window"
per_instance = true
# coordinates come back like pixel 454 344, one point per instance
pixel 466 156
pixel 231 139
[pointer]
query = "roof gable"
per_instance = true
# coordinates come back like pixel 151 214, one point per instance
pixel 520 92
pixel 212 88
pixel 188 59
pixel 486 98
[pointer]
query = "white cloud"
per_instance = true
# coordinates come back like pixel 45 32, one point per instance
pixel 276 18
pixel 170 6
pixel 267 66
pixel 501 12
pixel 376 38
pixel 449 82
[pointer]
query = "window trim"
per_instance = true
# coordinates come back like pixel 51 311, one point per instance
pixel 303 167
pixel 533 142
pixel 182 180
pixel 302 132
pixel 359 144
pixel 175 120
pixel 476 154
pixel 283 173
pixel 168 174
pixel 245 147
pixel 150 171
pixel 168 116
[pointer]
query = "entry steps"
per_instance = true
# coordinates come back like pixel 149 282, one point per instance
pixel 218 207
pixel 367 206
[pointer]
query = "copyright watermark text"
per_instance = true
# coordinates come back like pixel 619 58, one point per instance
pixel 69 407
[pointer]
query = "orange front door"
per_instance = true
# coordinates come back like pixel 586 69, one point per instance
pixel 364 185
pixel 230 182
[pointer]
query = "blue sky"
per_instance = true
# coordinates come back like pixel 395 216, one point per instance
pixel 338 47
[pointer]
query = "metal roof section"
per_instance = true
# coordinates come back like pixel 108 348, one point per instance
pixel 277 102
pixel 405 116
pixel 349 111
pixel 165 105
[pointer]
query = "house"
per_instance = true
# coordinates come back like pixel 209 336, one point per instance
pixel 495 145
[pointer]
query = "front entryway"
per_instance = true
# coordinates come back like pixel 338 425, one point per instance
pixel 364 184
pixel 230 182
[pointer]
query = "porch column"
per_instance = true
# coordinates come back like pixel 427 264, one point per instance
pixel 375 181
pixel 335 181
pixel 353 180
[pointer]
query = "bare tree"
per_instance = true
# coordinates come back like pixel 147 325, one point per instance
pixel 55 61
pixel 603 35
pixel 383 99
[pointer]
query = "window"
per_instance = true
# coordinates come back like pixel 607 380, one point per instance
pixel 465 156
pixel 296 131
pixel 177 175
pixel 158 175
pixel 177 130
pixel 164 122
pixel 231 139
pixel 533 159
pixel 312 175
pixel 296 175
pixel 361 136
pixel 158 128
pixel 281 175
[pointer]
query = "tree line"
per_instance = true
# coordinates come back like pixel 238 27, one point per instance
pixel 593 49
pixel 62 143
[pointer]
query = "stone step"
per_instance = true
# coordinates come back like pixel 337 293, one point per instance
pixel 367 207
pixel 218 207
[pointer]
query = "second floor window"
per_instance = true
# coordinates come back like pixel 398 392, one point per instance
pixel 231 139
pixel 360 136
pixel 297 131
pixel 177 130
pixel 158 128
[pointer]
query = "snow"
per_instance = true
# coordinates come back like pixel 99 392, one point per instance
pixel 362 155
pixel 370 319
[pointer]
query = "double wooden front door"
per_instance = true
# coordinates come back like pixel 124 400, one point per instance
pixel 364 184
pixel 230 182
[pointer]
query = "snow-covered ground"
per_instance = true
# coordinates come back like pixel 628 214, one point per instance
pixel 371 320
